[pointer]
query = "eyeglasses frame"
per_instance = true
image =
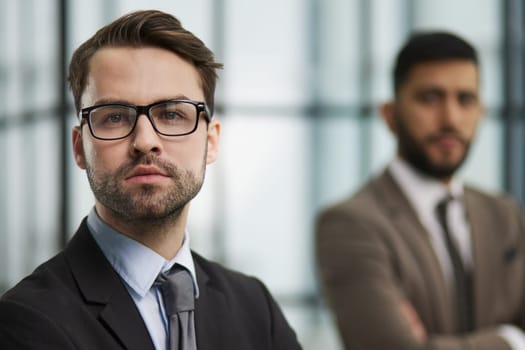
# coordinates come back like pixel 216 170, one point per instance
pixel 84 115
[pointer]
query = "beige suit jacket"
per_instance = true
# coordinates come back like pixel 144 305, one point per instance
pixel 373 254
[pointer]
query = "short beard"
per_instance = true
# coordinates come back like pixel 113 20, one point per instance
pixel 148 204
pixel 413 151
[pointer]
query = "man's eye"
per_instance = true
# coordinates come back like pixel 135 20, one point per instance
pixel 170 115
pixel 428 97
pixel 467 99
pixel 114 118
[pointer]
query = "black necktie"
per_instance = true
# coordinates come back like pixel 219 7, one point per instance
pixel 462 278
pixel 177 292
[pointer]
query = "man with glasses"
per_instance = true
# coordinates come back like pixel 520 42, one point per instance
pixel 143 87
pixel 416 259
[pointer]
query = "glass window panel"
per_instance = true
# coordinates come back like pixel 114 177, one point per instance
pixel 339 52
pixel 45 188
pixel 45 55
pixel 267 196
pixel 338 143
pixel 16 215
pixel 4 204
pixel 265 53
pixel 86 17
pixel 484 166
pixel 13 66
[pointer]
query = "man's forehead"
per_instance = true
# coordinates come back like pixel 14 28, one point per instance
pixel 460 74
pixel 142 75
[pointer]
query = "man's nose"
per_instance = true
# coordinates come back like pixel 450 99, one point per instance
pixel 144 137
pixel 451 112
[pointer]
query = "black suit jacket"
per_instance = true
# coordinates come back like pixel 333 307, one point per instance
pixel 77 301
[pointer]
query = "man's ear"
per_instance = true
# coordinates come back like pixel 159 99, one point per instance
pixel 214 132
pixel 78 147
pixel 482 111
pixel 387 112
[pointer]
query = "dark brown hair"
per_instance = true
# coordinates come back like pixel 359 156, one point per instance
pixel 430 46
pixel 146 28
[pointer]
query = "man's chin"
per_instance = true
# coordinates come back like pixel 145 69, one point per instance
pixel 151 213
pixel 138 189
pixel 441 170
pixel 445 162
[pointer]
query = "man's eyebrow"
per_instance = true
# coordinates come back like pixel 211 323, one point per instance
pixel 104 101
pixel 468 92
pixel 126 102
pixel 430 89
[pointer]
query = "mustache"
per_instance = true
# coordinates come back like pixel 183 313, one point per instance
pixel 448 132
pixel 151 160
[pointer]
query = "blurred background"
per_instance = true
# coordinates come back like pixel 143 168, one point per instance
pixel 298 101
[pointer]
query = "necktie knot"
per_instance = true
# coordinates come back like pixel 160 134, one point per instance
pixel 442 206
pixel 176 288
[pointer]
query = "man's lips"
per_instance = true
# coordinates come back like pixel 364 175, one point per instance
pixel 448 144
pixel 448 140
pixel 143 173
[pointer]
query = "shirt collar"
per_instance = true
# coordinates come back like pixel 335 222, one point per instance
pixel 135 263
pixel 413 183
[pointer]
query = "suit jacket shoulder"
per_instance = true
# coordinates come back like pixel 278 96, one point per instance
pixel 75 298
pixel 502 205
pixel 371 210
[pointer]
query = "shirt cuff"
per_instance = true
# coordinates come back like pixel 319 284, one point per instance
pixel 513 335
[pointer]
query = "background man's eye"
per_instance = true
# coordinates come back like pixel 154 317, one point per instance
pixel 428 97
pixel 467 99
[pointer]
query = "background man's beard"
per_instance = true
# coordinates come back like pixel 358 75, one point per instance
pixel 413 152
pixel 147 202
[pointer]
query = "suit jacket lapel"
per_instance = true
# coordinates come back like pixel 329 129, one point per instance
pixel 484 243
pixel 416 237
pixel 104 292
pixel 211 314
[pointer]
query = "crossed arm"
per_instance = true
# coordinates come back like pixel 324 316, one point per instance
pixel 361 282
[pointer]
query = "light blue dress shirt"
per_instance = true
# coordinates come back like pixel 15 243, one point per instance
pixel 139 266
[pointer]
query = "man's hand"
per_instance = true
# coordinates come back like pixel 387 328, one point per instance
pixel 418 330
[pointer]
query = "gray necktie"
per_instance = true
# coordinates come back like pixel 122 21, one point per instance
pixel 462 278
pixel 179 302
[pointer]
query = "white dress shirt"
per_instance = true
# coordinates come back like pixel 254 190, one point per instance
pixel 424 193
pixel 139 266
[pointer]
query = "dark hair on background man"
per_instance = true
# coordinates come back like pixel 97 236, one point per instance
pixel 140 29
pixel 430 46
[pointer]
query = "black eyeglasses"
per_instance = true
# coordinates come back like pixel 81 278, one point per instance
pixel 114 121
